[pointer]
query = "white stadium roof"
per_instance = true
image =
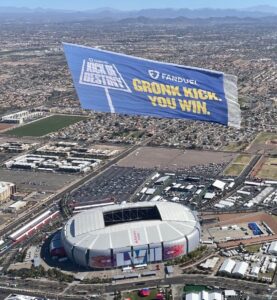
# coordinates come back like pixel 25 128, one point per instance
pixel 88 229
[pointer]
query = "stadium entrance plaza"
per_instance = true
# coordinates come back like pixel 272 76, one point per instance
pixel 90 274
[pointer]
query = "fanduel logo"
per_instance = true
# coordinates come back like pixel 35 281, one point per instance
pixel 154 74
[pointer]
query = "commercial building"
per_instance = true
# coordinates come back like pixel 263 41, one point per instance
pixel 16 206
pixel 218 184
pixel 162 180
pixel 21 117
pixel 271 267
pixel 240 269
pixel 209 196
pixel 210 263
pixel 6 190
pixel 227 267
pixel 255 271
pixel 204 295
pixel 130 234
pixel 51 163
pixel 67 149
pixel 16 147
pixel 233 268
pixel 23 297
pixel 273 248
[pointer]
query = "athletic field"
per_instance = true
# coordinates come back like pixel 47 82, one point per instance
pixel 45 126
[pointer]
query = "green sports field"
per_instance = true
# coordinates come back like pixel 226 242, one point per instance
pixel 45 126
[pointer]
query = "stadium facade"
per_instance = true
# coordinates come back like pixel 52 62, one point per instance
pixel 130 234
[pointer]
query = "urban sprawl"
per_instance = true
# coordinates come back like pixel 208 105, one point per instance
pixel 106 206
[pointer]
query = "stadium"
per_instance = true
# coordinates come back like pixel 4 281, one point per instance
pixel 130 234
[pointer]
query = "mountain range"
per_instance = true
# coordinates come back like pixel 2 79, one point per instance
pixel 23 13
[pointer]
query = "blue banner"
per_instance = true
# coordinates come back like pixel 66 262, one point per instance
pixel 117 83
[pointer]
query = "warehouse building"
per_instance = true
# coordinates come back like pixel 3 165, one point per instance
pixel 16 206
pixel 204 295
pixel 227 267
pixel 240 269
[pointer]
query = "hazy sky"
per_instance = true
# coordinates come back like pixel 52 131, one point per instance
pixel 135 4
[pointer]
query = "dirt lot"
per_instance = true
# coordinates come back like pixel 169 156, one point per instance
pixel 108 147
pixel 239 218
pixel 4 126
pixel 268 169
pixel 172 159
pixel 221 234
pixel 265 142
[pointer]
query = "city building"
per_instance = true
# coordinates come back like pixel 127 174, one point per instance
pixel 16 147
pixel 6 190
pixel 51 163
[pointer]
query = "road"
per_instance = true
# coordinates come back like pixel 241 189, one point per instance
pixel 43 206
pixel 257 291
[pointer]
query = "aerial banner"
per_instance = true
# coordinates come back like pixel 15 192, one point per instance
pixel 110 82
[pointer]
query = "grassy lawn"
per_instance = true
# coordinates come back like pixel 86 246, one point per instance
pixel 45 126
pixel 234 170
pixel 243 159
pixel 264 137
pixel 253 248
pixel 234 147
pixel 238 164
pixel 271 161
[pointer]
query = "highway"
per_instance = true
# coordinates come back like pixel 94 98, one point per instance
pixel 51 201
pixel 257 291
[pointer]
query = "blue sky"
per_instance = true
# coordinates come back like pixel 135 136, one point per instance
pixel 135 4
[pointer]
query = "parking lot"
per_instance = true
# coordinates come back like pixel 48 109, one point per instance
pixel 117 182
pixel 174 159
pixel 232 224
pixel 36 181
pixel 235 231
